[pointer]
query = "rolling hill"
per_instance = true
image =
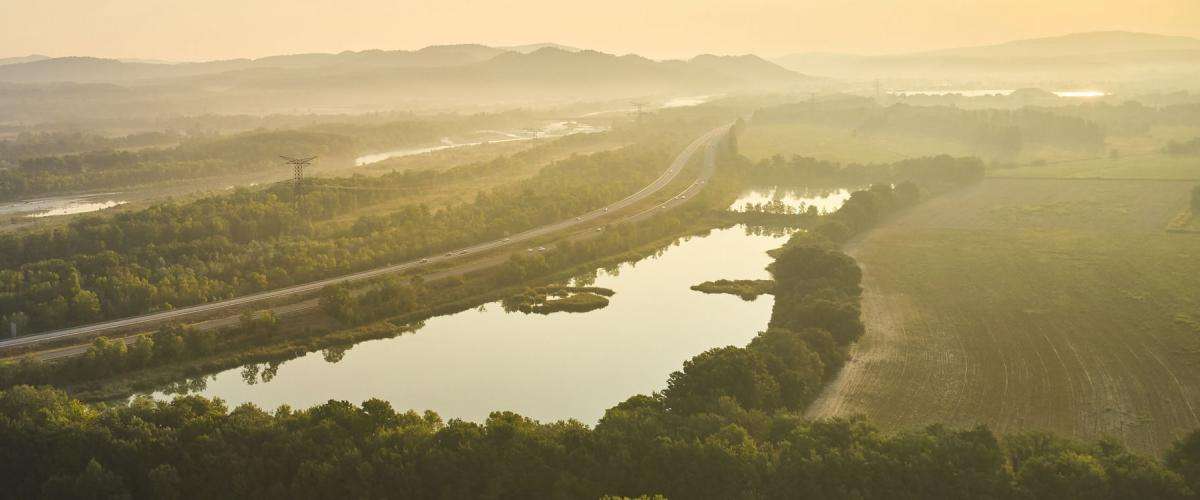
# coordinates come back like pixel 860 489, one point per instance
pixel 23 59
pixel 433 77
pixel 1109 56
pixel 97 70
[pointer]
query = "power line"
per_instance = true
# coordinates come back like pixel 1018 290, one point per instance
pixel 298 165
pixel 637 106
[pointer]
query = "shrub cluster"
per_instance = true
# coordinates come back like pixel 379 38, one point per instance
pixel 106 357
pixel 725 427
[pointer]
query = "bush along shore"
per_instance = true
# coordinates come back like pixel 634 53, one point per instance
pixel 726 426
pixel 558 298
pixel 746 289
pixel 382 308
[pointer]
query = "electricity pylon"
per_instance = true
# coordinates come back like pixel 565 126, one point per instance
pixel 637 107
pixel 298 165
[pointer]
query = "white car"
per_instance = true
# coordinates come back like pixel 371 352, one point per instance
pixel 579 218
pixel 605 209
pixel 423 261
pixel 541 249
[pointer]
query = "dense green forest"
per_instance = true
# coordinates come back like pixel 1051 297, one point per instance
pixel 799 170
pixel 395 299
pixel 115 168
pixel 726 426
pixel 197 448
pixel 391 299
pixel 175 254
pixel 38 164
pixel 41 144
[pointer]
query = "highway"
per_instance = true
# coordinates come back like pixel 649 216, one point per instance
pixel 707 141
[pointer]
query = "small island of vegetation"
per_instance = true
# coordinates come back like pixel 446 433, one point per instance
pixel 558 298
pixel 746 289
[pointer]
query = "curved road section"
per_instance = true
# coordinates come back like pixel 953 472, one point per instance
pixel 708 141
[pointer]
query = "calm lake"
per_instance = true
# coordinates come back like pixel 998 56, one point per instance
pixel 548 367
pixel 61 205
pixel 549 130
pixel 826 200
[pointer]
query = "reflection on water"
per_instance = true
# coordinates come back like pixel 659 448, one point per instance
pixel 1080 93
pixel 994 92
pixel 553 129
pixel 560 366
pixel 794 200
pixel 79 207
pixel 61 205
pixel 683 102
pixel 674 102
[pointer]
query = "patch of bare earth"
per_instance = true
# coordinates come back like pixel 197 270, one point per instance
pixel 1022 304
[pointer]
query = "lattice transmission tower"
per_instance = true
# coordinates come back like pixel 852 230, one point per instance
pixel 298 165
pixel 638 108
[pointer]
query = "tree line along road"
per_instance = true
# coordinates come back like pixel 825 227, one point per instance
pixel 708 141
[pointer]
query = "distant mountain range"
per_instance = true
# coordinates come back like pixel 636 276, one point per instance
pixel 40 69
pixel 1098 56
pixel 538 58
pixel 23 59
pixel 525 49
pixel 467 76
pixel 444 75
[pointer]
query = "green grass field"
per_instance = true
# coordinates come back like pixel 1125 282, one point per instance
pixel 1061 305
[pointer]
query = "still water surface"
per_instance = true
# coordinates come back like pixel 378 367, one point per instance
pixel 552 367
pixel 1076 93
pixel 60 205
pixel 826 200
pixel 549 130
pixel 548 367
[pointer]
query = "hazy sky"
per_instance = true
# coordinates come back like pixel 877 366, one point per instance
pixel 209 29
